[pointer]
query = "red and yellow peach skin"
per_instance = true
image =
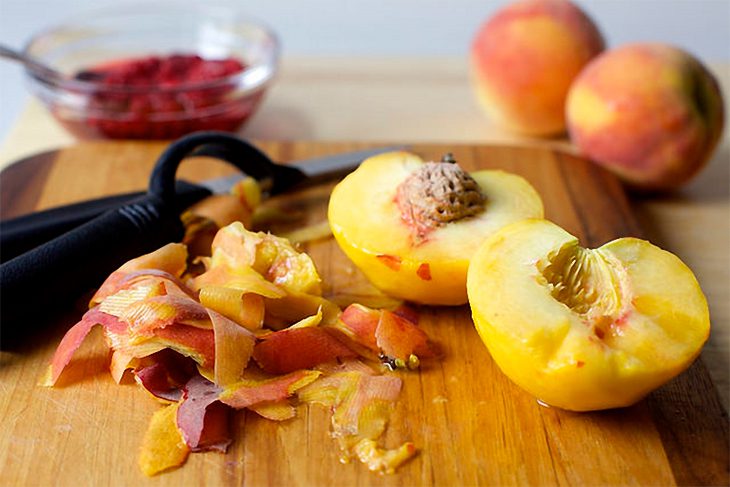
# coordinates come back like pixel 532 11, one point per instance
pixel 651 113
pixel 524 59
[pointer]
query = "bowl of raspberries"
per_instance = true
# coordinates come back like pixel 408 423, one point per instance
pixel 154 71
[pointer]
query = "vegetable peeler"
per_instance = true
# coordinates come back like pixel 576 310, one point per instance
pixel 52 257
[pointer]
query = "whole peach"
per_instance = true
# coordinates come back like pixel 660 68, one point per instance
pixel 651 113
pixel 524 59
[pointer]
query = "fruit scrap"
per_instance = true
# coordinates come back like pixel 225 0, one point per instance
pixel 157 312
pixel 380 459
pixel 301 348
pixel 188 333
pixel 203 220
pixel 201 419
pixel 251 392
pixel 244 308
pixel 270 256
pixel 401 340
pixel 72 341
pixel 163 447
pixel 164 374
pixel 360 402
pixel 192 342
pixel 393 335
pixel 170 260
pixel 233 348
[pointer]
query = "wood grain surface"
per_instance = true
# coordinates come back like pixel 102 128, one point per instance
pixel 472 426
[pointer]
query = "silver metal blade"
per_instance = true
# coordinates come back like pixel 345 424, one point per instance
pixel 336 164
pixel 315 170
pixel 223 184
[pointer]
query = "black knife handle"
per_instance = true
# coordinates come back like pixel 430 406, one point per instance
pixel 21 234
pixel 57 272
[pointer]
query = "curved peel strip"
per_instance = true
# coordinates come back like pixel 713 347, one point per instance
pixel 120 363
pixel 117 303
pixel 246 309
pixel 201 419
pixel 355 365
pixel 330 390
pixel 164 374
pixel 309 321
pixel 233 348
pixel 293 307
pixel 157 312
pixel 73 339
pixel 272 257
pixel 196 343
pixel 408 313
pixel 133 346
pixel 274 410
pixel 359 323
pixel 399 338
pixel 242 278
pixel 370 391
pixel 173 283
pixel 289 350
pixel 360 403
pixel 163 447
pixel 172 259
pixel 393 334
pixel 250 392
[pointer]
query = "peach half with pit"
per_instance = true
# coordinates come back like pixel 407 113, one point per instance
pixel 585 329
pixel 412 226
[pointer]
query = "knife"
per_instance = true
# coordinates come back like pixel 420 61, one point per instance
pixel 39 281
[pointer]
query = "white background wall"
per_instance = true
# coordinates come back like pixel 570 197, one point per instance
pixel 393 28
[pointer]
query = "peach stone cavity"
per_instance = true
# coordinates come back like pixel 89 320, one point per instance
pixel 591 283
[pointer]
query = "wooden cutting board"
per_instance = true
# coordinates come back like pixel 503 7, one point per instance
pixel 472 426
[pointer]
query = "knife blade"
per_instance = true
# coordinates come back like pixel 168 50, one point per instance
pixel 303 173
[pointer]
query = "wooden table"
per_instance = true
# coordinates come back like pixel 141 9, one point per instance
pixel 430 100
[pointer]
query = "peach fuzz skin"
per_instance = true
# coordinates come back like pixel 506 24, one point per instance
pixel 651 113
pixel 524 59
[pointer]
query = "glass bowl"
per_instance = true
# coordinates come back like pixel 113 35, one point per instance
pixel 90 107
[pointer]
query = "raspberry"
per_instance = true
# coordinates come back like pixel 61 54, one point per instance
pixel 161 114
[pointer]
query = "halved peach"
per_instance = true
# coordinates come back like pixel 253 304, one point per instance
pixel 585 329
pixel 412 226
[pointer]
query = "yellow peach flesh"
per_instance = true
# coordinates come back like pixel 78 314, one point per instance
pixel 644 321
